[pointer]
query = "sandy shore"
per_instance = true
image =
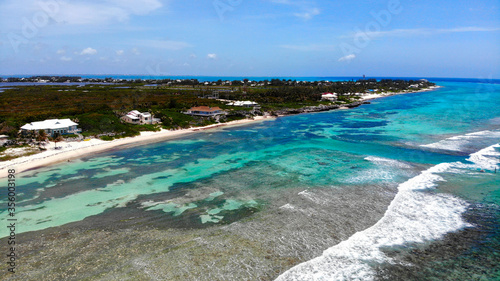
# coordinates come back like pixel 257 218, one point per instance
pixel 381 95
pixel 71 150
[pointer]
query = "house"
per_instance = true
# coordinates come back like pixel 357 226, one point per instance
pixel 52 126
pixel 136 117
pixel 205 111
pixel 3 139
pixel 329 96
pixel 243 103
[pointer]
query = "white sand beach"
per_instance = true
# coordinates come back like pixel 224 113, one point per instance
pixel 72 150
pixel 381 95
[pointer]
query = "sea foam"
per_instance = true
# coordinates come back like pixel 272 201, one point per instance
pixel 388 162
pixel 487 158
pixel 458 143
pixel 414 216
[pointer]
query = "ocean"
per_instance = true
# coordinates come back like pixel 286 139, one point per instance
pixel 404 188
pixel 232 78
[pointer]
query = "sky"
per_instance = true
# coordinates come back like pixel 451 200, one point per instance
pixel 393 38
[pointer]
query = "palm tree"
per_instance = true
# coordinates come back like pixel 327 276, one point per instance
pixel 31 135
pixel 57 138
pixel 41 137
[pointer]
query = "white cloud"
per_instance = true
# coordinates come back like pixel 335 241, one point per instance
pixel 139 7
pixel 88 51
pixel 308 14
pixel 193 56
pixel 307 10
pixel 165 44
pixel 423 31
pixel 61 52
pixel 120 52
pixel 92 12
pixel 78 12
pixel 348 57
pixel 469 29
pixel 136 51
pixel 212 56
pixel 65 58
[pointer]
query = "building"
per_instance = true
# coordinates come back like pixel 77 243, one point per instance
pixel 136 117
pixel 205 111
pixel 329 96
pixel 243 103
pixel 52 126
pixel 3 139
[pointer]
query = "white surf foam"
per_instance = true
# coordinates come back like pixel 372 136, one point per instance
pixel 312 197
pixel 457 143
pixel 387 162
pixel 413 216
pixel 370 176
pixel 487 158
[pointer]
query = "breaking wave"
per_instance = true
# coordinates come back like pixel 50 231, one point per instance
pixel 414 216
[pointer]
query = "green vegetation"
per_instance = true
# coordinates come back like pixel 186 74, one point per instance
pixel 97 108
pixel 70 136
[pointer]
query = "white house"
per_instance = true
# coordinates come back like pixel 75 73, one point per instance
pixel 136 117
pixel 329 96
pixel 3 139
pixel 243 103
pixel 53 126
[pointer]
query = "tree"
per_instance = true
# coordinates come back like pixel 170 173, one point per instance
pixel 172 103
pixel 31 135
pixel 41 137
pixel 57 138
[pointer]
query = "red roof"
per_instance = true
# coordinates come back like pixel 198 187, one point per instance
pixel 205 109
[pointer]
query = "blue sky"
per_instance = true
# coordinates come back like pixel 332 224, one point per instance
pixel 251 38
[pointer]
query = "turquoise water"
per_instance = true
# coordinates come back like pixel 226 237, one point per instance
pixel 426 150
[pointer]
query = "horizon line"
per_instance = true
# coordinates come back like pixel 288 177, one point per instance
pixel 238 76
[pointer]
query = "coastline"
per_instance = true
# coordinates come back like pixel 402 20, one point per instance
pixel 73 150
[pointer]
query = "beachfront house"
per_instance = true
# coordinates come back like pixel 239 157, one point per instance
pixel 205 111
pixel 136 117
pixel 52 126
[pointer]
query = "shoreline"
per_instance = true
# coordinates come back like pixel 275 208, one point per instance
pixel 73 150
